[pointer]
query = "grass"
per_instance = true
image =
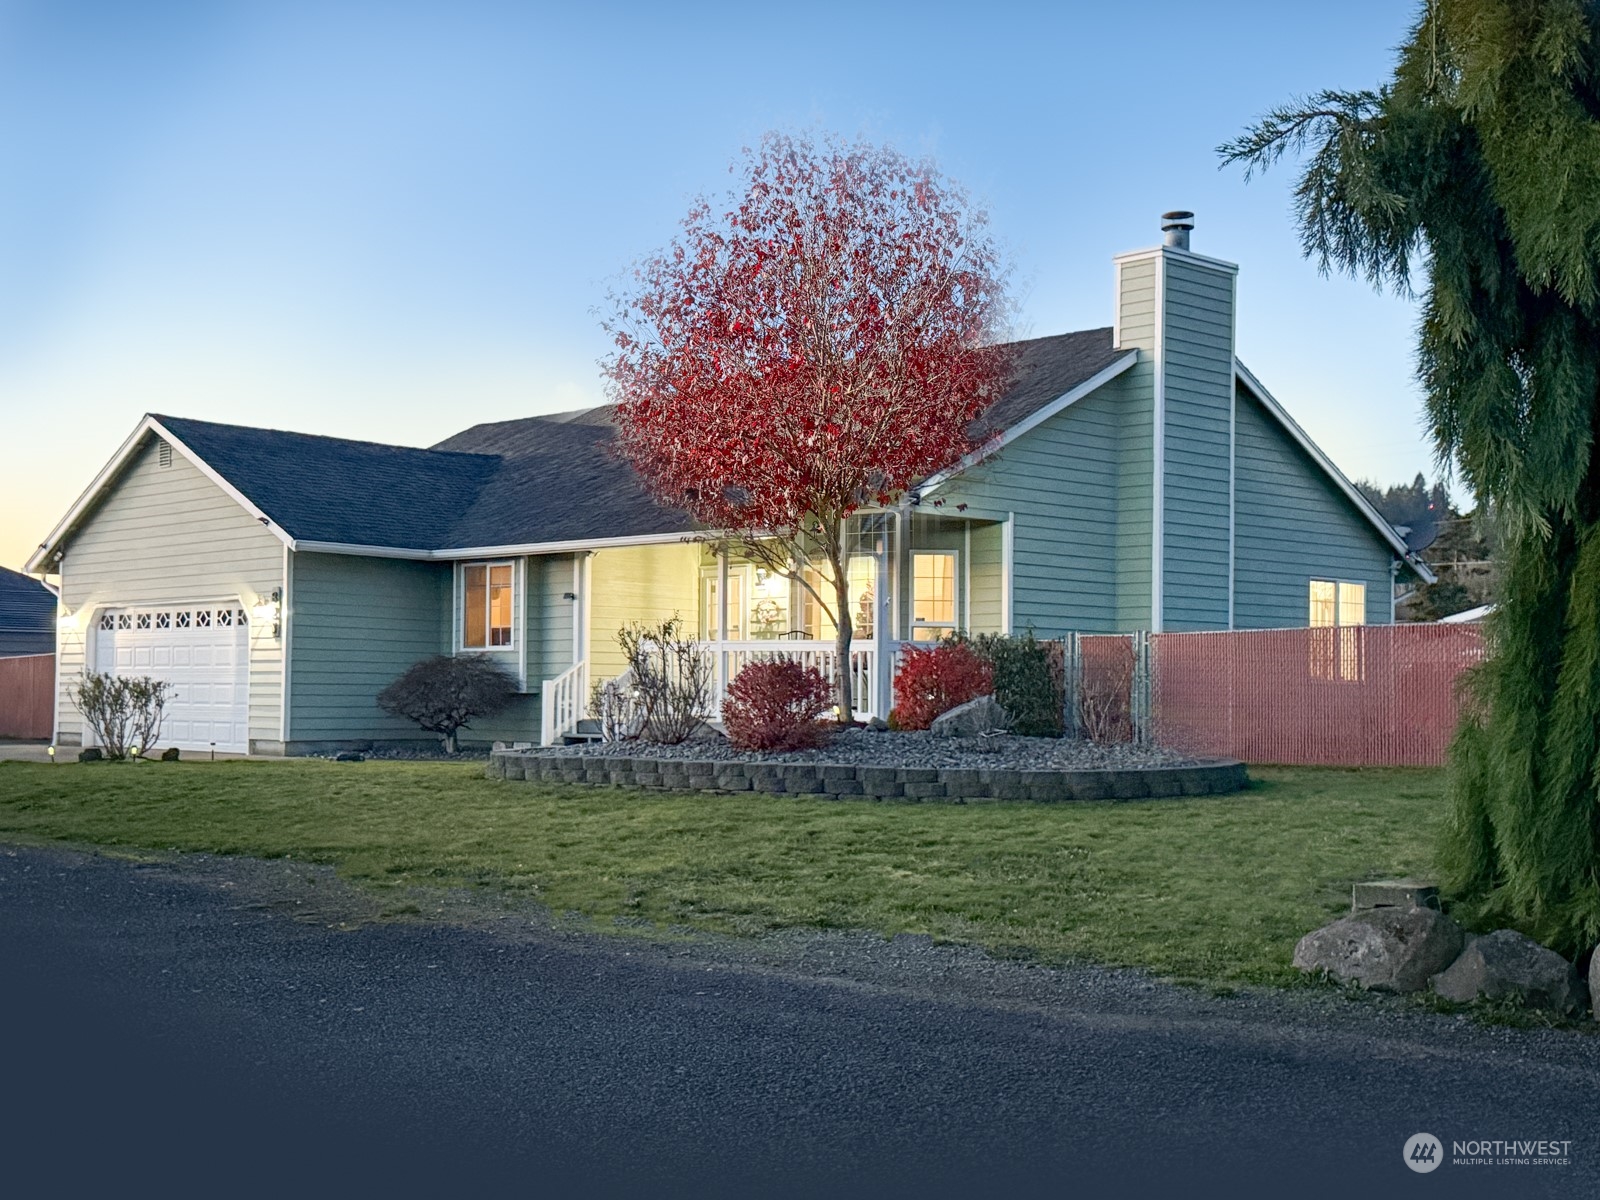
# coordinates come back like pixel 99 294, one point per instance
pixel 1213 890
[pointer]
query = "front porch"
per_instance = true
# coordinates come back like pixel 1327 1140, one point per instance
pixel 912 577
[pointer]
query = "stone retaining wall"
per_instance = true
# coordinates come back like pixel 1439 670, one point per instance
pixel 947 784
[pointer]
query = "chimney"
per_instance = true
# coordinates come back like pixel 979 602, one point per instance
pixel 1175 227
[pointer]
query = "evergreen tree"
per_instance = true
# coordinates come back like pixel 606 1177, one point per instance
pixel 1475 170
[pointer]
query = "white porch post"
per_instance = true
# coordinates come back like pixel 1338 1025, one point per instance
pixel 722 623
pixel 881 673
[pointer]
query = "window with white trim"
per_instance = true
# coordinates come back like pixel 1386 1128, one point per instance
pixel 488 600
pixel 933 595
pixel 1337 610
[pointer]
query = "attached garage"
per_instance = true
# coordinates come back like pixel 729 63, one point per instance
pixel 203 651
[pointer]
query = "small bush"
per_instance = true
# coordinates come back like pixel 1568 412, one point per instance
pixel 776 705
pixel 669 675
pixel 1029 680
pixel 443 694
pixel 125 714
pixel 935 680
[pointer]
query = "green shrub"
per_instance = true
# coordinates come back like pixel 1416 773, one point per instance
pixel 1029 681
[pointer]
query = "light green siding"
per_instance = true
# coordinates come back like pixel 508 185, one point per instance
pixel 1294 525
pixel 1197 382
pixel 1061 482
pixel 354 625
pixel 168 535
pixel 985 578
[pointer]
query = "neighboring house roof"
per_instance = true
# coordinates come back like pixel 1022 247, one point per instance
pixel 27 615
pixel 1471 616
pixel 551 481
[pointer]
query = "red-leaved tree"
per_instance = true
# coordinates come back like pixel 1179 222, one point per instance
pixel 819 346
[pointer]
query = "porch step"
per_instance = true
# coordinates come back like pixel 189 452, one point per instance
pixel 587 730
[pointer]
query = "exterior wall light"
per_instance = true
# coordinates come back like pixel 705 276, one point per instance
pixel 267 612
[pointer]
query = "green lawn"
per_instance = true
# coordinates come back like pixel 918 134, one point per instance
pixel 1208 889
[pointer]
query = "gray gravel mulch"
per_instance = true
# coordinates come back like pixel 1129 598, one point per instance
pixel 863 747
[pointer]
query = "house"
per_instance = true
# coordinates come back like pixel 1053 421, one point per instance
pixel 1144 479
pixel 27 616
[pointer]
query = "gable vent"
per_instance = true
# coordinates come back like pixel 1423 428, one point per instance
pixel 163 452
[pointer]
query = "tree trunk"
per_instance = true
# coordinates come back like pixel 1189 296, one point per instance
pixel 450 742
pixel 843 682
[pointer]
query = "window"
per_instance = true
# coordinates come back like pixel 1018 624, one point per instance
pixel 487 605
pixel 711 618
pixel 862 574
pixel 1337 603
pixel 1338 609
pixel 933 595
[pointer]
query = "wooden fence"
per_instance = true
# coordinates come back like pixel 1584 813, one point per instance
pixel 27 696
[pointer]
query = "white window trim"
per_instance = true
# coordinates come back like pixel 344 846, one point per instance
pixel 515 644
pixel 956 579
pixel 1338 586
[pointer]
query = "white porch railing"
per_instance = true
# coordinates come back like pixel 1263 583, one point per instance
pixel 731 657
pixel 563 703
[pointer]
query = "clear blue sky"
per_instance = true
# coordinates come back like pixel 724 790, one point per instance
pixel 393 220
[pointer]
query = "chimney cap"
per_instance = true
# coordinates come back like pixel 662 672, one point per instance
pixel 1176 226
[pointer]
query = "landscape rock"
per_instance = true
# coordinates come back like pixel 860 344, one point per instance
pixel 92 754
pixel 975 717
pixel 878 725
pixel 349 756
pixel 1383 949
pixel 1506 964
pixel 170 754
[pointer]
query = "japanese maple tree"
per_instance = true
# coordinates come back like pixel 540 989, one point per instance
pixel 817 346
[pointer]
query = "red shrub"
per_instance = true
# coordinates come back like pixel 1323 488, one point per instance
pixel 775 705
pixel 935 680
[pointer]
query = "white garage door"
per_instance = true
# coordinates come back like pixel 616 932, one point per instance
pixel 203 652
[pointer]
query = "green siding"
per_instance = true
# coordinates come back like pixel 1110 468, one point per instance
pixel 544 639
pixel 168 535
pixel 1062 481
pixel 1136 326
pixel 354 625
pixel 1197 353
pixel 984 578
pixel 1294 525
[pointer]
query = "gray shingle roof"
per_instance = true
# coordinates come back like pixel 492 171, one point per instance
pixel 325 489
pixel 530 481
pixel 27 615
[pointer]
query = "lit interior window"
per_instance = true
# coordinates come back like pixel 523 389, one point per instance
pixel 488 603
pixel 933 595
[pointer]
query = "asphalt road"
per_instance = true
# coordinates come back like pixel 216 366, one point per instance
pixel 171 1031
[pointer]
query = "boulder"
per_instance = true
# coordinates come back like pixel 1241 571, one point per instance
pixel 92 754
pixel 1384 949
pixel 1507 964
pixel 971 719
pixel 170 754
pixel 877 725
pixel 349 756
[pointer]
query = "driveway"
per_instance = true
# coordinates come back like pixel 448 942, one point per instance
pixel 216 1026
